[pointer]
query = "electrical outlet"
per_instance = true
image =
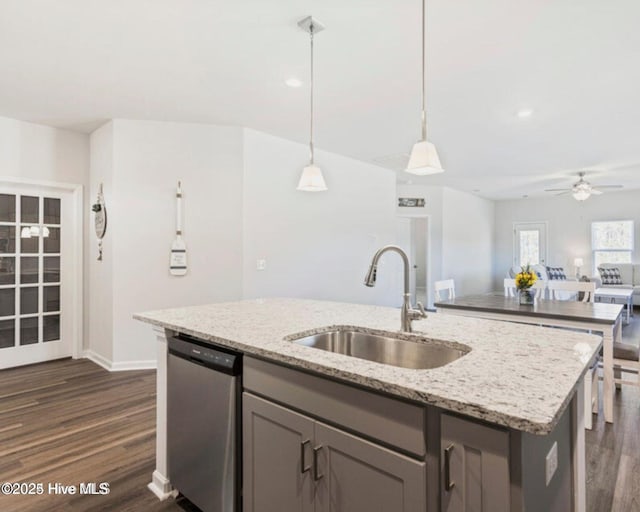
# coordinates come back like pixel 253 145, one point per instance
pixel 261 265
pixel 551 462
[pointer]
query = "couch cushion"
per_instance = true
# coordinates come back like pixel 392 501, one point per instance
pixel 541 272
pixel 556 273
pixel 626 351
pixel 610 276
pixel 626 271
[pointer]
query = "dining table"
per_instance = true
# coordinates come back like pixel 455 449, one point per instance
pixel 595 317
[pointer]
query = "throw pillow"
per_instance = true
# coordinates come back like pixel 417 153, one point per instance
pixel 610 275
pixel 556 274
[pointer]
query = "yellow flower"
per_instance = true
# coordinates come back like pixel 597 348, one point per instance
pixel 526 278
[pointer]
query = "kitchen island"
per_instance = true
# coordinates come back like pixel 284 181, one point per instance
pixel 519 386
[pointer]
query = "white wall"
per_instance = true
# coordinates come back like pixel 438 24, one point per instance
pixel 99 309
pixel 461 236
pixel 35 152
pixel 467 243
pixel 317 245
pixel 148 160
pixel 569 233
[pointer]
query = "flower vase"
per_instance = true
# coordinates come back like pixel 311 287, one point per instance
pixel 526 296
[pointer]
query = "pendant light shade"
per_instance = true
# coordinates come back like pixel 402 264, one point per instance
pixel 311 179
pixel 424 159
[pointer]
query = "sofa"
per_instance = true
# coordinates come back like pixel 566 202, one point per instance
pixel 630 274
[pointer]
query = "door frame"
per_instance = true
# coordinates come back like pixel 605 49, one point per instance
pixel 428 272
pixel 76 280
pixel 514 243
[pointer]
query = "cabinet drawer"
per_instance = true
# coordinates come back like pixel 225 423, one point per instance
pixel 393 422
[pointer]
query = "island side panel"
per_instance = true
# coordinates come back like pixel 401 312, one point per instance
pixel 160 484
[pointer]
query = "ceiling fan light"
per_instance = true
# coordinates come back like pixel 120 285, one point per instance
pixel 581 193
pixel 424 159
pixel 312 180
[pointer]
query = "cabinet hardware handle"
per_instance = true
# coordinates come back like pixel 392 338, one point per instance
pixel 448 484
pixel 303 468
pixel 316 475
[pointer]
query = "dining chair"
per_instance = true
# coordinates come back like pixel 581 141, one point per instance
pixel 626 359
pixel 445 285
pixel 570 290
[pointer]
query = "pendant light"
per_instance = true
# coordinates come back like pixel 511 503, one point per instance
pixel 424 158
pixel 311 179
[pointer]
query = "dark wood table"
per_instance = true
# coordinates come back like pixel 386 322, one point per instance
pixel 588 316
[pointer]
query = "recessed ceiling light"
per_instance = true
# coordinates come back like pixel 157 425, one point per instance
pixel 293 82
pixel 524 113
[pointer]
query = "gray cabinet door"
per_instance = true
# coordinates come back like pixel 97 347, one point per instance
pixel 474 461
pixel 358 476
pixel 273 473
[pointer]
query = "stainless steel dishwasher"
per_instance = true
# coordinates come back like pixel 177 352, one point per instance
pixel 203 422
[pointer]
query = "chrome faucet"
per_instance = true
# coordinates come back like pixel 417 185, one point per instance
pixel 408 314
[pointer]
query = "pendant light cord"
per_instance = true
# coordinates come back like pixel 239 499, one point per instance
pixel 311 116
pixel 424 42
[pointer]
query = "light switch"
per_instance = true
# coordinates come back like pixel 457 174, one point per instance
pixel 261 264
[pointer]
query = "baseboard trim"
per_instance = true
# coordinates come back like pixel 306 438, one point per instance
pixel 120 366
pixel 97 358
pixel 161 487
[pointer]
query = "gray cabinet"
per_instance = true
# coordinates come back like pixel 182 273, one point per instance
pixel 274 479
pixel 333 472
pixel 474 467
pixel 360 476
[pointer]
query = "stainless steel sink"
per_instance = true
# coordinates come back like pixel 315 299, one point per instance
pixel 384 349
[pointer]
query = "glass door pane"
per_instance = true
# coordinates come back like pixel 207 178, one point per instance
pixel 30 245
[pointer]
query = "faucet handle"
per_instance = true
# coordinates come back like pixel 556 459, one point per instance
pixel 420 307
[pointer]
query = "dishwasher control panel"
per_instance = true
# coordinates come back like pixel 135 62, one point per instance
pixel 211 356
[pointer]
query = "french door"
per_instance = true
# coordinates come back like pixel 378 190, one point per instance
pixel 33 256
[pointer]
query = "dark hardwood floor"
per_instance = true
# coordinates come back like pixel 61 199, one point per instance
pixel 613 451
pixel 70 421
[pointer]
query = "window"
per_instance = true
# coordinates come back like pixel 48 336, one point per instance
pixel 529 247
pixel 612 242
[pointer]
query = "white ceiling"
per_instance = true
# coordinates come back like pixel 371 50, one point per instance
pixel 76 63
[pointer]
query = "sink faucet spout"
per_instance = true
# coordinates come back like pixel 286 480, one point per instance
pixel 408 313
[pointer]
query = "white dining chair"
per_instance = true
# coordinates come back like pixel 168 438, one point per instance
pixel 445 285
pixel 570 290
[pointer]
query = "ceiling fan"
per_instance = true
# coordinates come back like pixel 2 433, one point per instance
pixel 582 189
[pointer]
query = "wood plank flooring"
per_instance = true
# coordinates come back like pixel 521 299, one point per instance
pixel 613 451
pixel 70 421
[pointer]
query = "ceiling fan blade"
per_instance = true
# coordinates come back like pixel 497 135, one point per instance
pixel 596 192
pixel 608 186
pixel 557 190
pixel 562 193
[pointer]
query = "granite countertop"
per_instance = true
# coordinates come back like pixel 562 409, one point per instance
pixel 518 376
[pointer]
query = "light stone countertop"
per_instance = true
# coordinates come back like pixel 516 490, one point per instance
pixel 518 376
